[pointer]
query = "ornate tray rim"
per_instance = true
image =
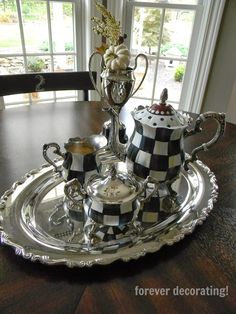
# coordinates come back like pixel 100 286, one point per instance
pixel 151 246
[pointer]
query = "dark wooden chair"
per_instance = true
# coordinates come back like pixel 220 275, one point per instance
pixel 39 82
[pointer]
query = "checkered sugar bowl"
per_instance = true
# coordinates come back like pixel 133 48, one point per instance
pixel 156 147
pixel 112 200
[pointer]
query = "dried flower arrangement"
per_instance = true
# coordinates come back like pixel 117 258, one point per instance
pixel 115 53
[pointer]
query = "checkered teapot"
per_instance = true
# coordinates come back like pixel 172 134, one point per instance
pixel 156 147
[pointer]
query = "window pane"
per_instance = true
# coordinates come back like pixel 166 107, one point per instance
pixel 18 98
pixel 38 96
pixel 64 63
pixel 34 14
pixel 66 93
pixel 63 100
pixel 146 30
pixel 38 64
pixel 170 75
pixel 71 95
pixel 62 26
pixel 145 91
pixel 10 41
pixel 171 1
pixel 11 65
pixel 177 33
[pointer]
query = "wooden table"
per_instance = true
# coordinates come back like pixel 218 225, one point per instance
pixel 206 258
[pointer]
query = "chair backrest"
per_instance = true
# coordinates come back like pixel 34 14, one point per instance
pixel 38 82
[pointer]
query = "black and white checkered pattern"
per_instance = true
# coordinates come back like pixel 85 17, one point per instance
pixel 79 166
pixel 109 233
pixel 151 211
pixel 155 152
pixel 111 214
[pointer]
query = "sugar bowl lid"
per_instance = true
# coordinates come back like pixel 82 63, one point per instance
pixel 113 188
pixel 162 114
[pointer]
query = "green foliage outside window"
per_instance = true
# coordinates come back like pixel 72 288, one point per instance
pixel 180 47
pixel 36 64
pixel 32 10
pixel 151 27
pixel 45 46
pixel 179 73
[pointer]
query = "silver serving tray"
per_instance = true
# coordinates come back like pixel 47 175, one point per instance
pixel 26 208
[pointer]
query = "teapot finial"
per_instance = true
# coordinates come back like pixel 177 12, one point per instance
pixel 164 96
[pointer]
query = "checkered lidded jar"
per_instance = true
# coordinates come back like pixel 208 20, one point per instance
pixel 156 146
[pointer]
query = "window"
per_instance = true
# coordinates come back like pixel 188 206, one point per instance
pixel 38 36
pixel 178 37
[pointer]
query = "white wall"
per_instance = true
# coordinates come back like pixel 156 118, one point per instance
pixel 221 87
pixel 231 109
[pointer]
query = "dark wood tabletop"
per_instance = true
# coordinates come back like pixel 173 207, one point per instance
pixel 205 259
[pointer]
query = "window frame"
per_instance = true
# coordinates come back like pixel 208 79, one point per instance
pixel 208 18
pixel 204 35
pixel 78 53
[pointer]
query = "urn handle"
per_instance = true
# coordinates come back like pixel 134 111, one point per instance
pixel 72 190
pixel 145 72
pixel 90 70
pixel 220 119
pixel 56 151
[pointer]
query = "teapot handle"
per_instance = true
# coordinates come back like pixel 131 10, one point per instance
pixel 145 72
pixel 73 188
pixel 220 119
pixel 56 151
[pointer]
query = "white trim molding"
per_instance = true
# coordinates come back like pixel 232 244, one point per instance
pixel 116 7
pixel 2 105
pixel 202 47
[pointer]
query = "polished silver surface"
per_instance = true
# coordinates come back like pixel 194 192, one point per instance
pixel 113 188
pixel 115 90
pixel 117 86
pixel 26 207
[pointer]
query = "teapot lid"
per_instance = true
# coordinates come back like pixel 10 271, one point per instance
pixel 162 114
pixel 162 108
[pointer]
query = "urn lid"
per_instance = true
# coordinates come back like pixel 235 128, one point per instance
pixel 162 115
